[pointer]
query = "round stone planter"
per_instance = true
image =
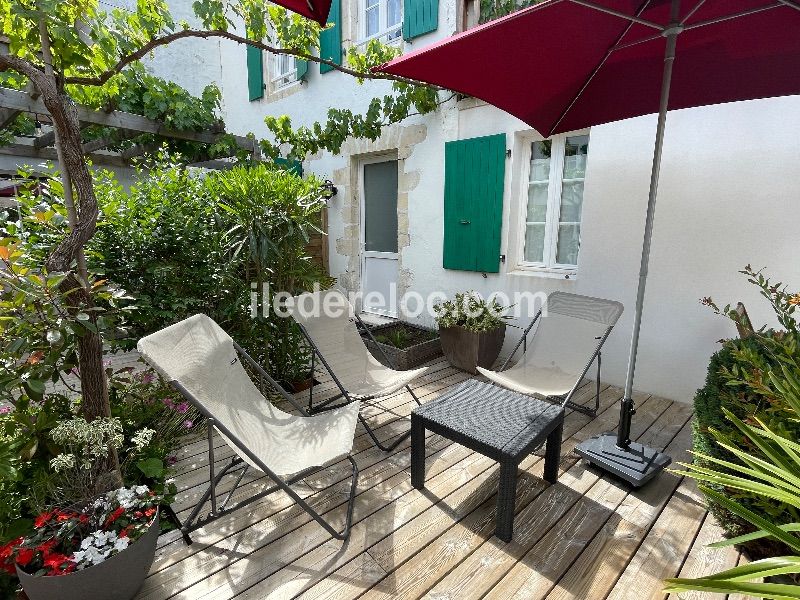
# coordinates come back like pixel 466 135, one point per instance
pixel 117 578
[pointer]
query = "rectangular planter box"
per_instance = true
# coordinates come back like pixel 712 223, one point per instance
pixel 408 358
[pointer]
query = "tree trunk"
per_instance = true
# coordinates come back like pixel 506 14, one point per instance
pixel 94 387
pixel 64 115
pixel 90 347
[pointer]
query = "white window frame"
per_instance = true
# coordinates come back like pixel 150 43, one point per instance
pixel 383 30
pixel 279 78
pixel 554 191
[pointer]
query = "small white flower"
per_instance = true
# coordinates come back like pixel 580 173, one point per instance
pixel 142 438
pixel 141 490
pixel 121 543
pixel 94 556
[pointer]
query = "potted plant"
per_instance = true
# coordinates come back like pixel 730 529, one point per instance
pixel 102 550
pixel 405 345
pixel 472 330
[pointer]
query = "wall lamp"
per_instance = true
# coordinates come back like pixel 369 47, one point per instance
pixel 328 190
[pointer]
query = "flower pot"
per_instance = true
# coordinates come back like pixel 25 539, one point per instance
pixel 302 385
pixel 467 350
pixel 117 578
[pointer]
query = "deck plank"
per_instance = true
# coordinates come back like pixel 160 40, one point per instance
pixel 588 536
pixel 580 504
pixel 541 510
pixel 702 560
pixel 595 573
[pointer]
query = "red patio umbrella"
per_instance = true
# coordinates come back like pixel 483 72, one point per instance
pixel 564 65
pixel 316 10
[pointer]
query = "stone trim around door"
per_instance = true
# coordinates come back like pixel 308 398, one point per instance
pixel 396 142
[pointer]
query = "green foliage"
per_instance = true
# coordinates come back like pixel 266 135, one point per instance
pixel 270 215
pixel 182 242
pixel 164 239
pixel 470 311
pixel 342 123
pixel 138 92
pixel 494 9
pixel 401 336
pixel 39 323
pixel 766 467
pixel 753 378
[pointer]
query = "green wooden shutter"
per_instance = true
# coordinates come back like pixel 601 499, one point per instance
pixel 255 73
pixel 302 68
pixel 330 40
pixel 291 165
pixel 419 17
pixel 473 203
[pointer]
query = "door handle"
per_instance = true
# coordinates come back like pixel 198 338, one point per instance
pixel 464 222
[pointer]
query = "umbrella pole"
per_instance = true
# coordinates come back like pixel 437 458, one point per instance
pixel 618 454
pixel 627 407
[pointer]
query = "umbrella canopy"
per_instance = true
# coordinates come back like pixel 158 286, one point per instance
pixel 316 10
pixel 565 65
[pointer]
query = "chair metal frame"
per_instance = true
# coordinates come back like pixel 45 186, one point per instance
pixel 566 399
pixel 343 393
pixel 194 521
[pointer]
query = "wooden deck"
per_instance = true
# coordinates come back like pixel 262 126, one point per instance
pixel 585 537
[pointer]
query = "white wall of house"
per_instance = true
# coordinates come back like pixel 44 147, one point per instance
pixel 729 196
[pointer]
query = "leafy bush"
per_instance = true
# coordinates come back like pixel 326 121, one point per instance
pixel 470 311
pixel 270 214
pixel 163 241
pixel 182 242
pixel 747 378
pixel 39 333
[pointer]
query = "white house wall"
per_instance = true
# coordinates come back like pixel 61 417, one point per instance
pixel 729 196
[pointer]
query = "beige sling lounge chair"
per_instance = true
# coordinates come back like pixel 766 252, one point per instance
pixel 570 334
pixel 202 362
pixel 332 329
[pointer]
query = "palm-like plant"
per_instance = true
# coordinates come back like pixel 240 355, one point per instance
pixel 775 474
pixel 270 214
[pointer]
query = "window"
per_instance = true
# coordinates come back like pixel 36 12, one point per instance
pixel 284 71
pixel 383 20
pixel 552 232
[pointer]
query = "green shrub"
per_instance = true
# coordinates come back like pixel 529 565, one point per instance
pixel 181 241
pixel 270 214
pixel 162 240
pixel 744 379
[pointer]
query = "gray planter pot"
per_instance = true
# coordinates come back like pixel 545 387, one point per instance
pixel 117 578
pixel 467 350
pixel 407 358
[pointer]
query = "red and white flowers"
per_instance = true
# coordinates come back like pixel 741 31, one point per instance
pixel 69 540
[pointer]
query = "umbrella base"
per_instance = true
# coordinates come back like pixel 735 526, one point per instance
pixel 636 464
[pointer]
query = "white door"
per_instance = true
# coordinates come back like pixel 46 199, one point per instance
pixel 379 236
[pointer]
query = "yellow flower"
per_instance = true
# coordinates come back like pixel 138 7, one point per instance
pixel 795 299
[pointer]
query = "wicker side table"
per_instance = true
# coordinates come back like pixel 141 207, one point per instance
pixel 498 423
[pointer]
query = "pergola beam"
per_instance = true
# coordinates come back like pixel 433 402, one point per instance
pixel 21 101
pixel 7 115
pixel 24 148
pixel 117 136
